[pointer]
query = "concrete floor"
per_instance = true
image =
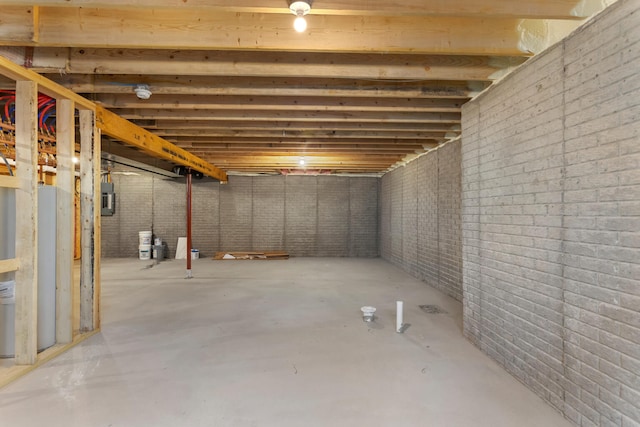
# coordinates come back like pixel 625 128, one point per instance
pixel 271 343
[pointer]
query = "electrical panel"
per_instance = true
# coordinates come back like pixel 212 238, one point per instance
pixel 108 199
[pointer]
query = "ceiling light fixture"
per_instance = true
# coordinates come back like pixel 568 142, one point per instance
pixel 302 162
pixel 300 9
pixel 142 91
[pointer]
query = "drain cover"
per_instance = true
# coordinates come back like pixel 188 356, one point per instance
pixel 431 309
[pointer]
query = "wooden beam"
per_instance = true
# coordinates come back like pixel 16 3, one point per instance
pixel 9 181
pixel 9 265
pixel 87 214
pixel 266 86
pixel 65 183
pixel 121 129
pixel 26 137
pixel 97 226
pixel 18 73
pixel 285 103
pixel 376 67
pixel 211 134
pixel 291 116
pixel 17 23
pixel 214 29
pixel 549 9
pixel 279 126
pixel 320 151
pixel 204 142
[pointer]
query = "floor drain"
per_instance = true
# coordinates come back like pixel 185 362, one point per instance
pixel 431 309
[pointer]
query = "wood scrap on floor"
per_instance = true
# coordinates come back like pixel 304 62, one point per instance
pixel 269 255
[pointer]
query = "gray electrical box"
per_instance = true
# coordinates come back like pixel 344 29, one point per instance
pixel 108 199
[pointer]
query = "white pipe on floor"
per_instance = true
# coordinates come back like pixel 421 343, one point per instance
pixel 399 316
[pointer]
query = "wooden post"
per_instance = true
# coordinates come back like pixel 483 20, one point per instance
pixel 26 319
pixel 65 180
pixel 97 206
pixel 90 228
pixel 189 275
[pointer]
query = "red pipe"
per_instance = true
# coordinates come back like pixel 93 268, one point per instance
pixel 189 223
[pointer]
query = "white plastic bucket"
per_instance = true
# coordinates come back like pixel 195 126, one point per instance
pixel 367 313
pixel 195 254
pixel 145 238
pixel 144 251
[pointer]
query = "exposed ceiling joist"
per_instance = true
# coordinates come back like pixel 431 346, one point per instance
pixel 270 86
pixel 545 9
pixel 232 80
pixel 210 29
pixel 383 65
pixel 323 116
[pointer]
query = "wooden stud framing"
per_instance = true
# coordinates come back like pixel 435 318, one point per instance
pixel 65 179
pixel 9 181
pixel 89 276
pixel 8 265
pixel 46 86
pixel 28 85
pixel 26 320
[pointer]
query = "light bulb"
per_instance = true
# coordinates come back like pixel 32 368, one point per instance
pixel 75 159
pixel 300 24
pixel 301 162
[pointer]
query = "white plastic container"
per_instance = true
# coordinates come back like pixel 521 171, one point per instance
pixel 195 254
pixel 367 313
pixel 144 252
pixel 157 242
pixel 145 238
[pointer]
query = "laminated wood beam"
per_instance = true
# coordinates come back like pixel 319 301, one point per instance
pixel 551 9
pixel 119 128
pixel 26 137
pixel 215 29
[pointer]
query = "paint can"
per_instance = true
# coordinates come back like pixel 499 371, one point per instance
pixel 195 254
pixel 145 237
pixel 144 252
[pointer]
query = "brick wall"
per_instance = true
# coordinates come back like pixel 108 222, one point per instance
pixel 551 221
pixel 420 218
pixel 304 215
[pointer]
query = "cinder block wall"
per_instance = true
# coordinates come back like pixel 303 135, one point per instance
pixel 304 215
pixel 420 218
pixel 551 221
